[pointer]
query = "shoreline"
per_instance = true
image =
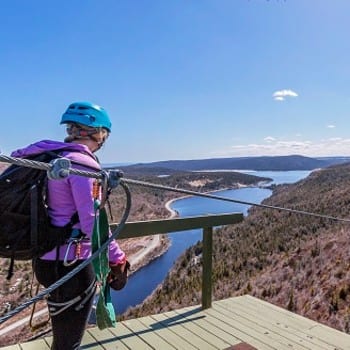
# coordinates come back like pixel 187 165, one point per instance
pixel 140 259
pixel 159 244
pixel 161 248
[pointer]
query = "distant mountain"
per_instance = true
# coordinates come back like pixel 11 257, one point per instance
pixel 278 163
pixel 335 160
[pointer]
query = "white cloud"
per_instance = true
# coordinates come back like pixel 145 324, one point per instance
pixel 335 146
pixel 280 95
pixel 331 126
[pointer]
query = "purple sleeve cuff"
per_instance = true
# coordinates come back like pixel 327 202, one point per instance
pixel 116 255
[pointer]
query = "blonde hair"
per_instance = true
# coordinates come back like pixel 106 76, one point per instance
pixel 82 132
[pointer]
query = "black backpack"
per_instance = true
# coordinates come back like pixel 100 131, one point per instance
pixel 25 228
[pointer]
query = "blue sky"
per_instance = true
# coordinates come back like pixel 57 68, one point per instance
pixel 181 79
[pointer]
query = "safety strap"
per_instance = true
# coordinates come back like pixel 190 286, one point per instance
pixel 105 314
pixel 56 308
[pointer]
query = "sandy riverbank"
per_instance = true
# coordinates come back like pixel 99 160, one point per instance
pixel 151 246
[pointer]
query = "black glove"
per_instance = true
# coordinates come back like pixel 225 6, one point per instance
pixel 118 277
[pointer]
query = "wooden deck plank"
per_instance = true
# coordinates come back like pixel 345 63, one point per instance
pixel 107 339
pixel 285 340
pixel 246 333
pixel 147 334
pixel 200 319
pixel 89 342
pixel 11 347
pixel 260 306
pixel 128 338
pixel 228 328
pixel 279 325
pixel 176 326
pixel 338 341
pixel 39 344
pixel 188 316
pixel 284 329
pixel 265 329
pixel 176 341
pixel 328 335
pixel 228 323
pixel 281 319
pixel 279 313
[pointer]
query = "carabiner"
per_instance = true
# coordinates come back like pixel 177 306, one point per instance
pixel 69 245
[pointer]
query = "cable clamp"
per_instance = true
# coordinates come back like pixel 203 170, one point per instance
pixel 114 177
pixel 59 169
pixel 110 180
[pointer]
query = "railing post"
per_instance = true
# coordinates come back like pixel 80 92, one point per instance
pixel 207 256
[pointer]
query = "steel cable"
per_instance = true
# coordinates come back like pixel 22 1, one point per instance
pixel 205 195
pixel 47 166
pixel 100 175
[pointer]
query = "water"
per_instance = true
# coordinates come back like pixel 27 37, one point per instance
pixel 281 177
pixel 144 281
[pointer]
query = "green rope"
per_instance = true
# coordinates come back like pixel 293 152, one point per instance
pixel 105 314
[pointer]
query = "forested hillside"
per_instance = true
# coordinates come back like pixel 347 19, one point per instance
pixel 299 262
pixel 281 163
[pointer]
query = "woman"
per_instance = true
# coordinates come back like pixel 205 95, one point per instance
pixel 88 127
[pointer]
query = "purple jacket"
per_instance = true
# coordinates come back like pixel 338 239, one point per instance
pixel 70 195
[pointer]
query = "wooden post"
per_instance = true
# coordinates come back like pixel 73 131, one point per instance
pixel 207 267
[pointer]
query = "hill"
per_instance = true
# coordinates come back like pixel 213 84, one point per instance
pixel 276 163
pixel 295 261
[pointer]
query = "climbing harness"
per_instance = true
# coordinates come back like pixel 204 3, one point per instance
pixel 79 301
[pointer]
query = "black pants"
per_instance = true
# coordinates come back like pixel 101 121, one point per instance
pixel 69 325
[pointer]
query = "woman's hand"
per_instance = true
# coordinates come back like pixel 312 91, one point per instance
pixel 118 276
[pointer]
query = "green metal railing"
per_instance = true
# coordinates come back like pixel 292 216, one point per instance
pixel 205 222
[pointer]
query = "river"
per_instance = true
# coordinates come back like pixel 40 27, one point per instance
pixel 144 281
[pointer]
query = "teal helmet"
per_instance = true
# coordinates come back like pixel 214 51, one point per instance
pixel 88 114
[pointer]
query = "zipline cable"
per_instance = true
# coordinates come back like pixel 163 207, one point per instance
pixel 48 166
pixel 100 175
pixel 205 195
pixel 86 262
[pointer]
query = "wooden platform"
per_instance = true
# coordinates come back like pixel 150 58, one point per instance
pixel 236 323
